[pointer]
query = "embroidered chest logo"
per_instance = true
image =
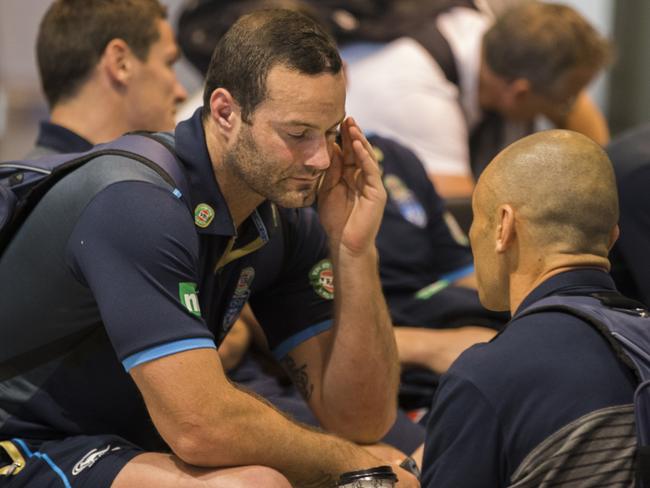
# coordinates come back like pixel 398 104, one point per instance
pixel 407 203
pixel 203 215
pixel 321 277
pixel 189 297
pixel 239 297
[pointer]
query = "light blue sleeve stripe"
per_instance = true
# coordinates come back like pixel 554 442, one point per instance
pixel 288 344
pixel 166 350
pixel 47 459
pixel 55 468
pixel 22 444
pixel 458 273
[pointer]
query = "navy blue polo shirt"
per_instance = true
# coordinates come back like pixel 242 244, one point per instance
pixel 415 243
pixel 58 139
pixel 501 400
pixel 421 249
pixel 630 155
pixel 133 274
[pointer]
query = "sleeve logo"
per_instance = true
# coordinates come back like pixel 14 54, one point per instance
pixel 407 203
pixel 189 297
pixel 321 278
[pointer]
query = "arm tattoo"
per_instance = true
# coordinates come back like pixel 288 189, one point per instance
pixel 299 377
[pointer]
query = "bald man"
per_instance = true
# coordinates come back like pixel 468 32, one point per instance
pixel 546 402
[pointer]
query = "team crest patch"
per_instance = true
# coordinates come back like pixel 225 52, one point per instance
pixel 321 277
pixel 239 297
pixel 203 215
pixel 408 205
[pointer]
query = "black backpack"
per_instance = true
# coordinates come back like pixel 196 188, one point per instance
pixel 23 183
pixel 625 324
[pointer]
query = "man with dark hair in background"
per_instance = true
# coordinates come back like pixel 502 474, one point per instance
pixel 106 68
pixel 127 388
pixel 460 86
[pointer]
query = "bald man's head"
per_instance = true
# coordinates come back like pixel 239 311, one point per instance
pixel 562 184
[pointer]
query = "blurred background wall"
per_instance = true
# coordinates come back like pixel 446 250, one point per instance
pixel 623 92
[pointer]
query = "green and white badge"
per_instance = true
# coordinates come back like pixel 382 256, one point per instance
pixel 203 215
pixel 321 277
pixel 189 297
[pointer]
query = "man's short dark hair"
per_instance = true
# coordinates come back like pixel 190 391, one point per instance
pixel 74 33
pixel 261 40
pixel 543 42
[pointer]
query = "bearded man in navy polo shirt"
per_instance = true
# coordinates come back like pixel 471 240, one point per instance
pixel 113 379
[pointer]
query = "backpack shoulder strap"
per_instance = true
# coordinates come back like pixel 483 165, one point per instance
pixel 29 180
pixel 625 323
pixel 155 150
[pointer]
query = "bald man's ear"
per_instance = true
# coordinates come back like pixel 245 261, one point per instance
pixel 505 228
pixel 118 61
pixel 613 236
pixel 224 111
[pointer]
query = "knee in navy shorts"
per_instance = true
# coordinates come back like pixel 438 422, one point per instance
pixel 73 462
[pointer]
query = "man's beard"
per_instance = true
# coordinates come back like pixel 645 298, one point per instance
pixel 267 177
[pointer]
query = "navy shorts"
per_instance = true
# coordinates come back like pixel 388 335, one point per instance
pixel 73 462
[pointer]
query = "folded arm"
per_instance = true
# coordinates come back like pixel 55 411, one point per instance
pixel 208 422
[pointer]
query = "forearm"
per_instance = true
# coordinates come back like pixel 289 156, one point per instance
pixel 358 370
pixel 437 349
pixel 208 422
pixel 260 435
pixel 234 346
pixel 452 186
pixel 361 372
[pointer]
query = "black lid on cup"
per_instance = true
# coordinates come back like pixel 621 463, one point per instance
pixel 378 473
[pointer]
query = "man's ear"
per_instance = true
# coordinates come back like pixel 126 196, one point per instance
pixel 118 61
pixel 518 90
pixel 224 111
pixel 505 230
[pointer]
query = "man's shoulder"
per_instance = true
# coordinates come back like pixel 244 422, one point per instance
pixel 395 156
pixel 519 349
pixel 540 348
pixel 108 169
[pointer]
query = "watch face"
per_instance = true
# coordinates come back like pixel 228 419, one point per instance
pixel 379 477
